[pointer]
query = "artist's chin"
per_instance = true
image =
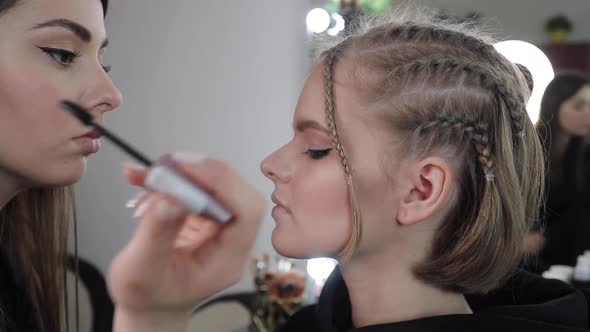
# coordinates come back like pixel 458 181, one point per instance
pixel 69 173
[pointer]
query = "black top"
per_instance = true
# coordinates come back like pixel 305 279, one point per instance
pixel 526 303
pixel 16 314
pixel 16 306
pixel 567 213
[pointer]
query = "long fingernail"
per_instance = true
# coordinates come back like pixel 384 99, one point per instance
pixel 140 210
pixel 167 212
pixel 132 203
pixel 133 166
pixel 188 157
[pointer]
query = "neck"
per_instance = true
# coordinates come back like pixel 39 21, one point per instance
pixel 9 187
pixel 386 293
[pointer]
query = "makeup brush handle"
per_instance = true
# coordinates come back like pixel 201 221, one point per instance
pixel 164 179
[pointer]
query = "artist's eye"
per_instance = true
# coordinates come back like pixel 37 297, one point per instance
pixel 317 154
pixel 63 57
pixel 578 107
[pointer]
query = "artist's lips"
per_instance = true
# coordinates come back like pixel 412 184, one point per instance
pixel 89 142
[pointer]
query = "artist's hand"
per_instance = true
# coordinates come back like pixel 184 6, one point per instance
pixel 177 259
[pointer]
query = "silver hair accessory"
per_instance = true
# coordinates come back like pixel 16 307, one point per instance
pixel 490 177
pixel 349 179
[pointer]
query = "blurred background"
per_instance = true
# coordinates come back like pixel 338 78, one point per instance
pixel 222 78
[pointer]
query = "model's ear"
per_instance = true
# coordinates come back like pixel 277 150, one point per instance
pixel 426 191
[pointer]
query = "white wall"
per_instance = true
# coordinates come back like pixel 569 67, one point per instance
pixel 217 77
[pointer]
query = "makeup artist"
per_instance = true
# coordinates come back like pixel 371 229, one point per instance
pixel 52 50
pixel 48 50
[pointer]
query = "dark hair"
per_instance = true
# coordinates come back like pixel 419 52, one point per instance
pixel 7 4
pixel 33 237
pixel 528 76
pixel 559 90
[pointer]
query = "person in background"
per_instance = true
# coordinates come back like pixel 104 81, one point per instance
pixel 564 128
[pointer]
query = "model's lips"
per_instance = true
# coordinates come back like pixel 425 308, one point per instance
pixel 279 203
pixel 280 213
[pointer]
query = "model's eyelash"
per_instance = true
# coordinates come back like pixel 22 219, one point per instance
pixel 317 154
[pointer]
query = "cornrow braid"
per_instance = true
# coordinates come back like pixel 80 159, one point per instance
pixel 356 234
pixel 515 103
pixel 411 32
pixel 477 133
pixel 489 80
pixel 515 106
pixel 329 90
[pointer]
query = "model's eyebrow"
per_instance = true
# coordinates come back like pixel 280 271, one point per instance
pixel 303 125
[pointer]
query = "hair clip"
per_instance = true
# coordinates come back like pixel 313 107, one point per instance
pixel 349 179
pixel 521 134
pixel 490 177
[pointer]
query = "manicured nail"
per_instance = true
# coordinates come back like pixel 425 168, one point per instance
pixel 141 209
pixel 133 166
pixel 188 157
pixel 132 203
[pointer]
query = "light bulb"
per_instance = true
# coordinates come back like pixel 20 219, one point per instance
pixel 318 20
pixel 320 268
pixel 537 63
pixel 338 25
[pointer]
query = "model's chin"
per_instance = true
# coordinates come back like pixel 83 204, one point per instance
pixel 287 245
pixel 291 245
pixel 65 174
